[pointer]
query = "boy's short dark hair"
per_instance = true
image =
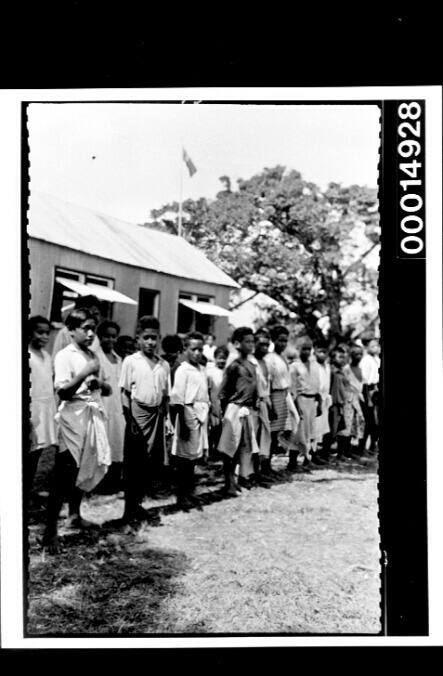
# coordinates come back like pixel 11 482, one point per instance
pixel 148 322
pixel 321 345
pixel 172 344
pixel 107 324
pixel 123 339
pixel 263 331
pixel 76 318
pixel 221 350
pixel 278 330
pixel 305 341
pixel 85 302
pixel 240 333
pixel 33 322
pixel 193 335
pixel 353 344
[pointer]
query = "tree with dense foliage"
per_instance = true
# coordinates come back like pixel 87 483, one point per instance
pixel 283 236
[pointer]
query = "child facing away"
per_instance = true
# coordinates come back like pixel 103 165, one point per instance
pixel 144 385
pixel 111 365
pixel 215 372
pixel 43 406
pixel 84 453
pixel 238 400
pixel 190 397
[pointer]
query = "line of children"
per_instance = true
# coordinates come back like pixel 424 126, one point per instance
pixel 245 407
pixel 347 419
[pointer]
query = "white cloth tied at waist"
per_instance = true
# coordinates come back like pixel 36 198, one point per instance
pixel 234 418
pixel 201 410
pixel 83 434
pixel 293 418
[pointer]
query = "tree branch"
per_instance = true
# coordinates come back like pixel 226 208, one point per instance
pixel 245 300
pixel 356 263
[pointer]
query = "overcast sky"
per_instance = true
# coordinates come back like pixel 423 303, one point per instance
pixel 137 149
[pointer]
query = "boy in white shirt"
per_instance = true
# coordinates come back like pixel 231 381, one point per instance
pixel 84 453
pixel 190 397
pixel 215 374
pixel 144 384
pixel 43 407
pixel 308 402
pixel 370 365
pixel 322 429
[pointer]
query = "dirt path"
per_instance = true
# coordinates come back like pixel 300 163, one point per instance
pixel 301 557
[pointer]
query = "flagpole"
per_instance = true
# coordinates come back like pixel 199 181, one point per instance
pixel 180 214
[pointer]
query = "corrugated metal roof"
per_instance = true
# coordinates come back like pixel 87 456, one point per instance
pixel 75 227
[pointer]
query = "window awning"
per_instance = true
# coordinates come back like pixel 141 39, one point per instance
pixel 205 308
pixel 102 292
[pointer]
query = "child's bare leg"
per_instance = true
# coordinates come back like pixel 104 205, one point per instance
pixel 229 465
pixel 274 442
pixel 62 483
pixel 30 469
pixel 75 518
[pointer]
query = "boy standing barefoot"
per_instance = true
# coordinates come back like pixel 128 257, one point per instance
pixel 238 399
pixel 190 397
pixel 43 407
pixel 84 454
pixel 144 384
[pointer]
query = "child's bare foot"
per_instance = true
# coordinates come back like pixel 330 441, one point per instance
pixel 76 521
pixel 50 543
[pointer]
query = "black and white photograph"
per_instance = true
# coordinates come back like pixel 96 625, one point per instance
pixel 209 331
pixel 204 354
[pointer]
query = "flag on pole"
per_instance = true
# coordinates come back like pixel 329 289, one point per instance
pixel 189 163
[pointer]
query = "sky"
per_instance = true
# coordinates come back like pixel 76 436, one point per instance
pixel 125 159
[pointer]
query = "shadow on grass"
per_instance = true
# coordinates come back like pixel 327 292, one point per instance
pixel 102 583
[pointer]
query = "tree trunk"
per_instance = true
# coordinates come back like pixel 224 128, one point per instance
pixel 335 329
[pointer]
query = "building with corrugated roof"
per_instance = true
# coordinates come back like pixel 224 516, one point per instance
pixel 134 271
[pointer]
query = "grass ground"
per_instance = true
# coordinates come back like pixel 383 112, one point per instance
pixel 300 557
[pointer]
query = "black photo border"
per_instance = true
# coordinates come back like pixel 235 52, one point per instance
pixel 402 460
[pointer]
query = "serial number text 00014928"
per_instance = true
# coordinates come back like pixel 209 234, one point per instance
pixel 411 203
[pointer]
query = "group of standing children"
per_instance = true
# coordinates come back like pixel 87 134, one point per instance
pixel 105 405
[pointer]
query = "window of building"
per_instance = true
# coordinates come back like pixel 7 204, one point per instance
pixel 189 320
pixel 148 302
pixel 63 299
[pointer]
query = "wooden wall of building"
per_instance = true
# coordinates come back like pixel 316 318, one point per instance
pixel 45 256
